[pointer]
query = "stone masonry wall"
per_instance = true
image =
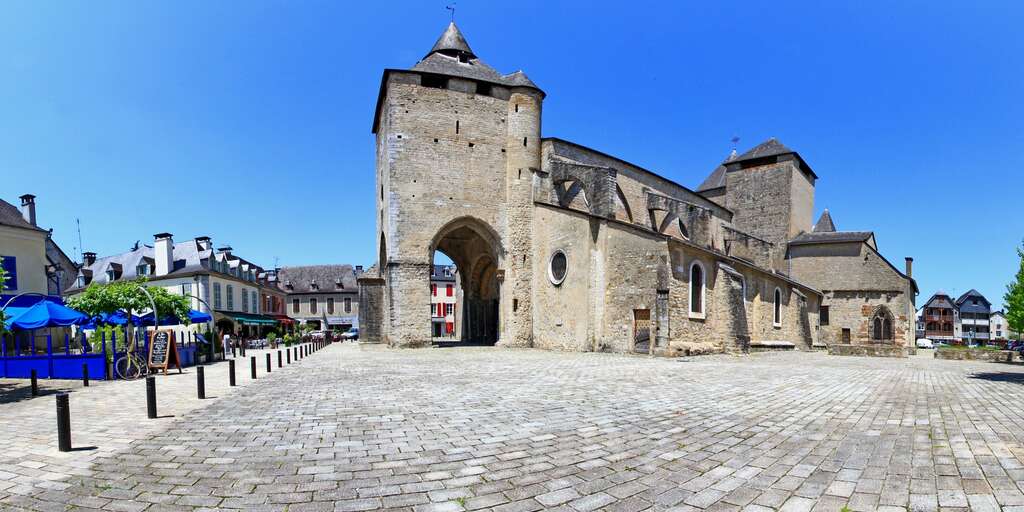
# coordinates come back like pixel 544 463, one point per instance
pixel 634 182
pixel 632 283
pixel 761 201
pixel 855 280
pixel 431 138
pixel 561 317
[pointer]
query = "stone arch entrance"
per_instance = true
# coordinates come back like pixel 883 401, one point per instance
pixel 475 249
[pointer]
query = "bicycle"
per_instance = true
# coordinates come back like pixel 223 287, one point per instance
pixel 130 366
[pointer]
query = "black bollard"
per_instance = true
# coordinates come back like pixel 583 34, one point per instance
pixel 243 349
pixel 288 355
pixel 151 397
pixel 106 371
pixel 200 382
pixel 85 374
pixel 63 423
pixel 252 366
pixel 278 358
pixel 232 351
pixel 34 383
pixel 268 362
pixel 231 372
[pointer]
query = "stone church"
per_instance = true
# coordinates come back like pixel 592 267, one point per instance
pixel 561 246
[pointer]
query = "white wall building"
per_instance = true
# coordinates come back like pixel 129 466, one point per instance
pixel 221 284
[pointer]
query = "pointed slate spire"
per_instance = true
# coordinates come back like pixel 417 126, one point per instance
pixel 825 224
pixel 452 42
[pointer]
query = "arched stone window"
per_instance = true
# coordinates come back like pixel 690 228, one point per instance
pixel 697 290
pixel 777 310
pixel 881 325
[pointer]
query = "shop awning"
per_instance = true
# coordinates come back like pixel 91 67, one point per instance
pixel 249 318
pixel 342 320
pixel 284 319
pixel 194 316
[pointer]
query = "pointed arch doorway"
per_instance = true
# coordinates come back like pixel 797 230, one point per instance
pixel 474 249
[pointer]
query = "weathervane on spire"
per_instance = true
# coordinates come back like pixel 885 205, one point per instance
pixel 735 140
pixel 451 7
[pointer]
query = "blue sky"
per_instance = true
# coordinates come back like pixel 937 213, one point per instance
pixel 250 121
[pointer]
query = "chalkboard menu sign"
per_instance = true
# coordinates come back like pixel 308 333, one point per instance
pixel 163 351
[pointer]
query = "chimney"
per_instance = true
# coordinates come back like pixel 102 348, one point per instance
pixel 204 243
pixel 88 258
pixel 163 253
pixel 910 267
pixel 28 208
pixel 225 250
pixel 359 269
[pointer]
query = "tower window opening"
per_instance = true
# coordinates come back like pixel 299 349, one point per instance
pixel 517 107
pixel 483 88
pixel 524 142
pixel 470 144
pixel 456 127
pixel 433 81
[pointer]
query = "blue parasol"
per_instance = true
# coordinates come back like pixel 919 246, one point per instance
pixel 45 313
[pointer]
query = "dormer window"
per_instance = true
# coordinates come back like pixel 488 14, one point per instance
pixel 338 283
pixel 111 275
pixel 142 270
pixel 288 283
pixel 313 285
pixel 80 282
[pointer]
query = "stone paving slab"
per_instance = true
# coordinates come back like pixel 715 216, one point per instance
pixel 507 430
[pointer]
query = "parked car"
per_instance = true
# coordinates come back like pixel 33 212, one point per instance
pixel 351 334
pixel 925 343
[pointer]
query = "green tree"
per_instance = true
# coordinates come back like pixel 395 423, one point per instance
pixel 1014 298
pixel 98 299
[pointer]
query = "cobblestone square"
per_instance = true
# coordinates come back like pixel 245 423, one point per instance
pixel 350 428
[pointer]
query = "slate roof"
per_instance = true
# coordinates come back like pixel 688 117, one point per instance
pixel 452 40
pixel 770 147
pixel 717 177
pixel 437 273
pixel 187 256
pixel 940 299
pixel 832 237
pixel 825 224
pixel 301 279
pixel 444 59
pixel 10 215
pixel 964 305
